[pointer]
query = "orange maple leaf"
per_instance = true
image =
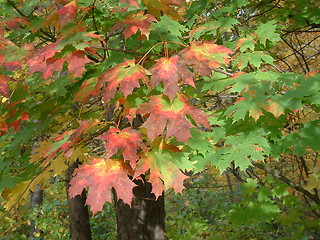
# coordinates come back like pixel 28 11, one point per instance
pixel 101 175
pixel 173 115
pixel 127 140
pixel 170 71
pixel 134 23
pixel 126 75
pixel 205 56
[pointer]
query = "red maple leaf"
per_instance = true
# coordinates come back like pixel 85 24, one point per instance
pixel 170 71
pixel 204 56
pixel 4 90
pixel 45 61
pixel 76 62
pixel 135 22
pixel 101 175
pixel 17 116
pixel 163 173
pixel 127 140
pixel 63 16
pixel 173 115
pixel 126 75
pixel 87 88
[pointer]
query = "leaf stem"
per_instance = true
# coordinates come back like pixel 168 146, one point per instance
pixel 163 42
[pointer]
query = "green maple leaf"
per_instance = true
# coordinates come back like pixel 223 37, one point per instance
pixel 267 31
pixel 255 58
pixel 240 149
pixel 167 24
pixel 164 166
pixel 246 147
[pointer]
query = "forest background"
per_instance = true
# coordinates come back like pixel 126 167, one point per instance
pixel 211 106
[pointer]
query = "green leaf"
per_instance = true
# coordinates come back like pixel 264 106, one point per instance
pixel 255 58
pixel 169 25
pixel 267 31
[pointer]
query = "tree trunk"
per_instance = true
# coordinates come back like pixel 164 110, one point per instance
pixel 78 212
pixel 145 219
pixel 36 198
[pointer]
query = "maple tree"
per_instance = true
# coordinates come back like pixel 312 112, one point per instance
pixel 144 79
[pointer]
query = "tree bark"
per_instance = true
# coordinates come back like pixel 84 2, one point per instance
pixel 78 211
pixel 145 219
pixel 36 198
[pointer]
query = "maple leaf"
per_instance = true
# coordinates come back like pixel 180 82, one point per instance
pixel 126 75
pixel 131 2
pixel 101 175
pixel 275 108
pixel 87 88
pixel 163 114
pixel 134 22
pixel 76 62
pixel 63 16
pixel 170 71
pixel 127 140
pixel 15 119
pixel 204 56
pixel 67 140
pixel 11 55
pixel 164 173
pixel 4 90
pixel 45 61
pixel 168 7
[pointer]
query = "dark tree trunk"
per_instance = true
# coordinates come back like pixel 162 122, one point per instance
pixel 145 219
pixel 78 212
pixel 36 198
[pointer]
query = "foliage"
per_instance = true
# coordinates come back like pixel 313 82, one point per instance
pixel 218 87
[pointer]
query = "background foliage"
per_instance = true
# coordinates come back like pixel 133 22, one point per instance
pixel 76 74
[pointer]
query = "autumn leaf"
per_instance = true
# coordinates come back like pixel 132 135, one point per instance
pixel 168 7
pixel 16 117
pixel 63 16
pixel 131 2
pixel 205 56
pixel 126 75
pixel 101 175
pixel 87 89
pixel 76 62
pixel 68 140
pixel 127 140
pixel 45 62
pixel 170 71
pixel 4 90
pixel 173 116
pixel 275 108
pixel 134 23
pixel 164 174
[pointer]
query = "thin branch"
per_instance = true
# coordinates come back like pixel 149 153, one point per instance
pixel 284 179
